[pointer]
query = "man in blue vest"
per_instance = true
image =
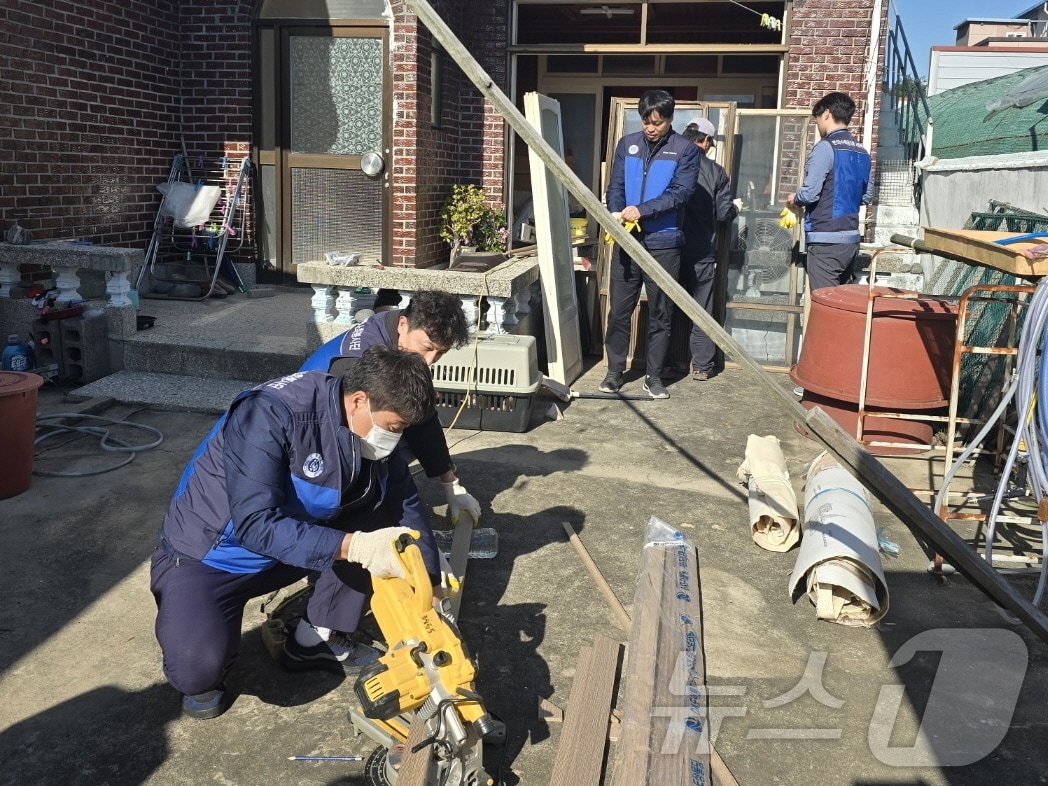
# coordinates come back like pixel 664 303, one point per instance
pixel 432 323
pixel 652 177
pixel 301 475
pixel 836 184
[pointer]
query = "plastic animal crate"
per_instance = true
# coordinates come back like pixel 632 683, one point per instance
pixel 497 376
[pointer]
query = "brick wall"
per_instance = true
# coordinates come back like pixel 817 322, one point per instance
pixel 214 52
pixel 95 95
pixel 829 47
pixel 467 147
pixel 88 103
pixel 99 95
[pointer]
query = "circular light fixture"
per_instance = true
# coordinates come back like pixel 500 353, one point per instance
pixel 371 164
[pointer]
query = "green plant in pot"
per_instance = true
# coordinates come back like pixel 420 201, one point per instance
pixel 467 222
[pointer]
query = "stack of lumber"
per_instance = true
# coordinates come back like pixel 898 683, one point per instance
pixel 664 737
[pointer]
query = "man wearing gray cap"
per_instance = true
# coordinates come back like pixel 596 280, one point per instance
pixel 709 206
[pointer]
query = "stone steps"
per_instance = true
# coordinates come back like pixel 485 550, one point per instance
pixel 200 354
pixel 171 392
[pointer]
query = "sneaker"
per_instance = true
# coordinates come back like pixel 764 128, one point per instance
pixel 204 706
pixel 612 382
pixel 699 375
pixel 653 387
pixel 343 653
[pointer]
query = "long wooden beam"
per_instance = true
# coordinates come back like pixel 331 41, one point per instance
pixel 915 515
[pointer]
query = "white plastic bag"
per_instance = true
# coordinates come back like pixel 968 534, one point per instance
pixel 187 204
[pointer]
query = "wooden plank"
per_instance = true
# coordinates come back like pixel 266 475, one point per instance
pixel 979 247
pixel 580 754
pixel 459 559
pixel 414 766
pixel 721 774
pixel 598 577
pixel 679 745
pixel 550 712
pixel 632 750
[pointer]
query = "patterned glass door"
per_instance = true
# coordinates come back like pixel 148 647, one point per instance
pixel 333 175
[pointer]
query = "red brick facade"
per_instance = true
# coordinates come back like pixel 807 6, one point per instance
pixel 467 147
pixel 829 46
pixel 88 101
pixel 95 98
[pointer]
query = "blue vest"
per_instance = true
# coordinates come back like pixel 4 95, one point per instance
pixel 325 479
pixel 645 179
pixel 377 329
pixel 837 210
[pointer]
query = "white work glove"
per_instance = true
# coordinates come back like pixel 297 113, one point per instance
pixel 460 501
pixel 375 552
pixel 738 203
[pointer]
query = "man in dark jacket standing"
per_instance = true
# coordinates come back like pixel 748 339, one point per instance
pixel 301 475
pixel 710 206
pixel 652 176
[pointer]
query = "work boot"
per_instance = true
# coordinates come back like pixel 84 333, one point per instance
pixel 653 387
pixel 700 374
pixel 204 706
pixel 343 653
pixel 612 382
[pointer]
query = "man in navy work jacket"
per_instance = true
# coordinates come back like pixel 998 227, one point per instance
pixel 836 184
pixel 652 176
pixel 710 206
pixel 432 324
pixel 301 475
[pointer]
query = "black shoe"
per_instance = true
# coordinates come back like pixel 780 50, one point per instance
pixel 612 382
pixel 653 387
pixel 204 706
pixel 343 653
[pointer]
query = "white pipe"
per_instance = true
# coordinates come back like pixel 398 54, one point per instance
pixel 871 75
pixel 871 88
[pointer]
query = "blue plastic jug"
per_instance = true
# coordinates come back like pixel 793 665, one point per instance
pixel 17 356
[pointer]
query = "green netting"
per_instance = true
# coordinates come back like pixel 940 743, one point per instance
pixel 964 126
pixel 988 324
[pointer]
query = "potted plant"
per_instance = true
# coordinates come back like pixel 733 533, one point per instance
pixel 468 223
pixel 491 232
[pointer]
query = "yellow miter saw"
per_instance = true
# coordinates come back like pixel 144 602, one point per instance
pixel 427 676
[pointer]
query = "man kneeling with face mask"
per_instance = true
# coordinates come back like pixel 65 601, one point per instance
pixel 300 475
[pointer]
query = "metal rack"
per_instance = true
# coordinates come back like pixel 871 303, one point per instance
pixel 980 293
pixel 186 255
pixel 965 505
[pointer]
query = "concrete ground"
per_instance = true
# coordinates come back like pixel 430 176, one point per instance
pixel 795 700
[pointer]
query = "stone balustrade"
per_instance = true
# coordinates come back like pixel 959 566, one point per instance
pixel 66 259
pixel 101 351
pixel 508 291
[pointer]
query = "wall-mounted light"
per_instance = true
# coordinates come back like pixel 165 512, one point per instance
pixel 607 11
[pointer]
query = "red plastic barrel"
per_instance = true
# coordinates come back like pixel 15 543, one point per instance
pixel 17 430
pixel 911 348
pixel 899 433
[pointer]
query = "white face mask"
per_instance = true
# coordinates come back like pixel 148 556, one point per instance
pixel 378 442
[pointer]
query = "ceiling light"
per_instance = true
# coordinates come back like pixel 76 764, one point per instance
pixel 607 11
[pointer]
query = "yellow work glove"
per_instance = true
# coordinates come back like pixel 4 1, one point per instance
pixel 787 218
pixel 629 226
